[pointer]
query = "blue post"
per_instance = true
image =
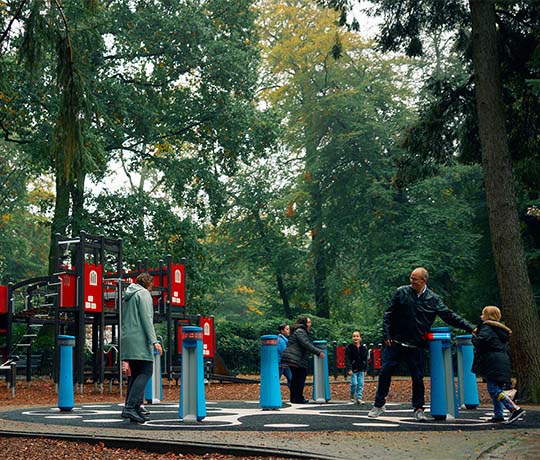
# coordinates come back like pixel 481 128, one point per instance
pixel 321 382
pixel 192 406
pixel 66 399
pixel 270 392
pixel 153 393
pixel 443 392
pixel 467 386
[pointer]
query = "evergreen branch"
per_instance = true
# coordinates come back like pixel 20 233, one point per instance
pixel 7 133
pixel 13 19
pixel 68 35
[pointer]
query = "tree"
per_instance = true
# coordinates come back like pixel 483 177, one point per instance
pixel 403 29
pixel 333 92
pixel 514 285
pixel 153 80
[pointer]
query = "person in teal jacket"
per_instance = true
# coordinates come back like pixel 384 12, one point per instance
pixel 137 343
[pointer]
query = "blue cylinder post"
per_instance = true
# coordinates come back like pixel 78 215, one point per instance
pixel 467 385
pixel 321 381
pixel 192 406
pixel 443 393
pixel 270 392
pixel 153 393
pixel 66 399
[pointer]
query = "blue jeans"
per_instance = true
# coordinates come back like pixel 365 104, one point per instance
pixel 357 384
pixel 286 371
pixel 495 389
pixel 141 373
pixel 391 358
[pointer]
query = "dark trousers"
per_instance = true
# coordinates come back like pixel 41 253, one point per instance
pixel 298 380
pixel 391 358
pixel 141 372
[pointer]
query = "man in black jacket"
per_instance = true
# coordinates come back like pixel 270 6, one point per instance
pixel 406 322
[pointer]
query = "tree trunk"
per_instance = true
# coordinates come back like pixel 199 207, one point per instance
pixel 60 220
pixel 77 197
pixel 279 277
pixel 318 252
pixel 518 306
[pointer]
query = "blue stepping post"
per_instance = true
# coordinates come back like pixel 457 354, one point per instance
pixel 153 393
pixel 443 391
pixel 467 385
pixel 65 382
pixel 192 407
pixel 270 392
pixel 321 381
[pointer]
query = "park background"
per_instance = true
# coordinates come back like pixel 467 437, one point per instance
pixel 300 165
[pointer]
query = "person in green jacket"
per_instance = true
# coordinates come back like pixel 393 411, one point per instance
pixel 137 342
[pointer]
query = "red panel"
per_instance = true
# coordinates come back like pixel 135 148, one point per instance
pixel 340 356
pixel 376 357
pixel 177 279
pixel 93 288
pixel 68 289
pixel 209 336
pixel 3 299
pixel 110 293
pixel 179 335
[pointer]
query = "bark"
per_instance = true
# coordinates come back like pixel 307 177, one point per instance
pixel 318 253
pixel 518 306
pixel 279 277
pixel 60 220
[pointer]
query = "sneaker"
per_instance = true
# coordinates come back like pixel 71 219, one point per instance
pixel 516 415
pixel 376 411
pixel 353 399
pixel 496 419
pixel 360 401
pixel 420 415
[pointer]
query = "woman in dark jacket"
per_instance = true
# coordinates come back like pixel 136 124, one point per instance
pixel 492 362
pixel 296 356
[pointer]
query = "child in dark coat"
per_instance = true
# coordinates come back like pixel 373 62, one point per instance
pixel 356 359
pixel 492 362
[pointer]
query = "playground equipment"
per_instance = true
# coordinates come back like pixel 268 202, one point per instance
pixel 83 297
pixel 192 407
pixel 443 391
pixel 467 385
pixel 321 383
pixel 270 393
pixel 66 399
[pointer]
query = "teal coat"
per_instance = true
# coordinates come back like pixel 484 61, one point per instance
pixel 138 334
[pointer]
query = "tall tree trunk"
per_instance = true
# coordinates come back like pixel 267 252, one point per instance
pixel 318 252
pixel 77 197
pixel 515 289
pixel 269 251
pixel 61 215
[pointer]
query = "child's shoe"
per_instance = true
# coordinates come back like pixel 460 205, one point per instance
pixel 515 415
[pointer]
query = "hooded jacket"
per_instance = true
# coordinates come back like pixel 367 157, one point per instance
pixel 299 348
pixel 356 357
pixel 409 316
pixel 491 352
pixel 138 334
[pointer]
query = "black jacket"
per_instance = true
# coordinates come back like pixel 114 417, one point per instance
pixel 491 352
pixel 299 348
pixel 356 357
pixel 409 317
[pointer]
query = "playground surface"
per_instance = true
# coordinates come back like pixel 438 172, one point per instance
pixel 334 430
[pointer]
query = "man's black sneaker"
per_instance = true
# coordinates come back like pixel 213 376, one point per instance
pixel 496 419
pixel 516 415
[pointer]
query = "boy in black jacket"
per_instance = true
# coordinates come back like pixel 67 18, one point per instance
pixel 356 359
